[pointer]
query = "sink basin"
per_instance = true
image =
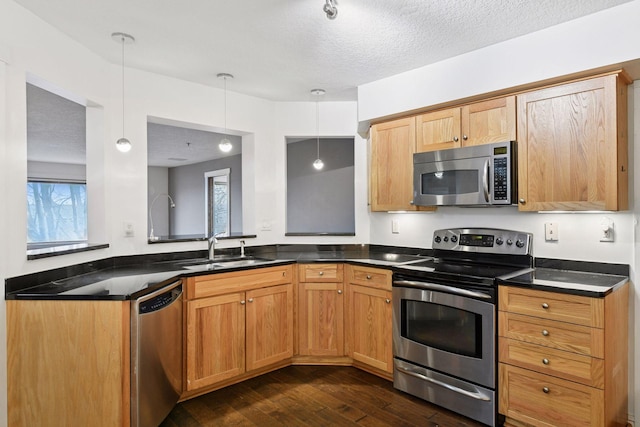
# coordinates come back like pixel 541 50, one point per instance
pixel 208 264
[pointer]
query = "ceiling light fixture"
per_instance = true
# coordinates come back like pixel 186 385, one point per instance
pixel 331 8
pixel 225 145
pixel 123 144
pixel 318 164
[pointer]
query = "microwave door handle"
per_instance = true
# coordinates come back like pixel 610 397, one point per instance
pixel 485 181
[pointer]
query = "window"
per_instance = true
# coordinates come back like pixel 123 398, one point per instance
pixel 56 213
pixel 320 201
pixel 217 197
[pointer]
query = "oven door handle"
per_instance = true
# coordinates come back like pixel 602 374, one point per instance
pixel 443 288
pixel 473 394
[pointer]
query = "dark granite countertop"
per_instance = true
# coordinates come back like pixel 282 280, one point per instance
pixel 129 277
pixel 571 277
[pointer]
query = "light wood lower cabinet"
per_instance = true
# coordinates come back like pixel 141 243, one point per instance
pixel 68 363
pixel 233 333
pixel 563 358
pixel 321 310
pixel 369 317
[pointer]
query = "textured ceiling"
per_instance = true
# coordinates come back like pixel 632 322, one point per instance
pixel 281 49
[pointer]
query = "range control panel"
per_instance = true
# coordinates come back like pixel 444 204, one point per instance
pixel 484 240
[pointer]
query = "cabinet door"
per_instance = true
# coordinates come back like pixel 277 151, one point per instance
pixel 370 323
pixel 438 130
pixel 392 147
pixel 321 319
pixel 215 339
pixel 269 325
pixel 572 152
pixel 489 121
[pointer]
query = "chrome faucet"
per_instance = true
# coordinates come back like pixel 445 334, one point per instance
pixel 212 246
pixel 242 249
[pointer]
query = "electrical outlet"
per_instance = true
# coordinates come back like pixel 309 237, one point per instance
pixel 128 229
pixel 551 231
pixel 395 226
pixel 607 233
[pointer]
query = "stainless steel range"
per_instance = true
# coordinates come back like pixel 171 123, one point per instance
pixel 444 318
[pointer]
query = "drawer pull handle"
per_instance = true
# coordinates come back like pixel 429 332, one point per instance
pixel 545 389
pixel 545 361
pixel 545 332
pixel 321 273
pixel 545 305
pixel 388 301
pixel 340 291
pixel 368 277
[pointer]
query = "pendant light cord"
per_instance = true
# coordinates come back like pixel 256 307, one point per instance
pixel 317 129
pixel 225 106
pixel 123 86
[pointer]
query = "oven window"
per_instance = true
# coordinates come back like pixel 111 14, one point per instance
pixel 445 328
pixel 451 182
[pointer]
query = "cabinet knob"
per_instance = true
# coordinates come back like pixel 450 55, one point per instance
pixel 368 277
pixel 545 305
pixel 545 389
pixel 545 361
pixel 545 332
pixel 250 299
pixel 340 291
pixel 455 139
pixel 388 301
pixel 243 302
pixel 284 273
pixel 522 201
pixel 465 137
pixel 321 273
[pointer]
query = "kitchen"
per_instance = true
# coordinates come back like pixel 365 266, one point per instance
pixel 30 45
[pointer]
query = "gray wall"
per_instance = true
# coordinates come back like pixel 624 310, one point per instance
pixel 187 185
pixel 158 181
pixel 320 201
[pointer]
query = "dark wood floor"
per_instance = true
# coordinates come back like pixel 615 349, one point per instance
pixel 312 396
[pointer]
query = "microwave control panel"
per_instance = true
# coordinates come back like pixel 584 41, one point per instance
pixel 501 179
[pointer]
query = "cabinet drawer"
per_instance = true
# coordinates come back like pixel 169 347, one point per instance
pixel 369 276
pixel 569 366
pixel 320 272
pixel 576 309
pixel 542 400
pixel 238 281
pixel 549 333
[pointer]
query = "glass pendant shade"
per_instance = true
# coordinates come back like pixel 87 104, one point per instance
pixel 225 145
pixel 123 145
pixel 318 164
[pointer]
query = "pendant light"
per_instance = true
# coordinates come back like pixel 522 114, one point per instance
pixel 123 144
pixel 318 164
pixel 225 145
pixel 331 8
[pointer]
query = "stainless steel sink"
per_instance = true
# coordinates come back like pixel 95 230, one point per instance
pixel 215 264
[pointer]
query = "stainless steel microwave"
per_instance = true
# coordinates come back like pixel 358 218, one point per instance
pixel 480 175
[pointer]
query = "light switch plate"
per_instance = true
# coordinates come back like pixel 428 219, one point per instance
pixel 551 231
pixel 128 229
pixel 395 226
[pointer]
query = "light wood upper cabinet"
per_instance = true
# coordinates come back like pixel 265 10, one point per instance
pixel 391 177
pixel 321 310
pixel 479 123
pixel 572 146
pixel 438 130
pixel 489 121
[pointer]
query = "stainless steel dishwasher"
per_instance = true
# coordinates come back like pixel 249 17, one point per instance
pixel 156 355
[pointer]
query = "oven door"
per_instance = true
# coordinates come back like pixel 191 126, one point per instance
pixel 452 182
pixel 448 330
